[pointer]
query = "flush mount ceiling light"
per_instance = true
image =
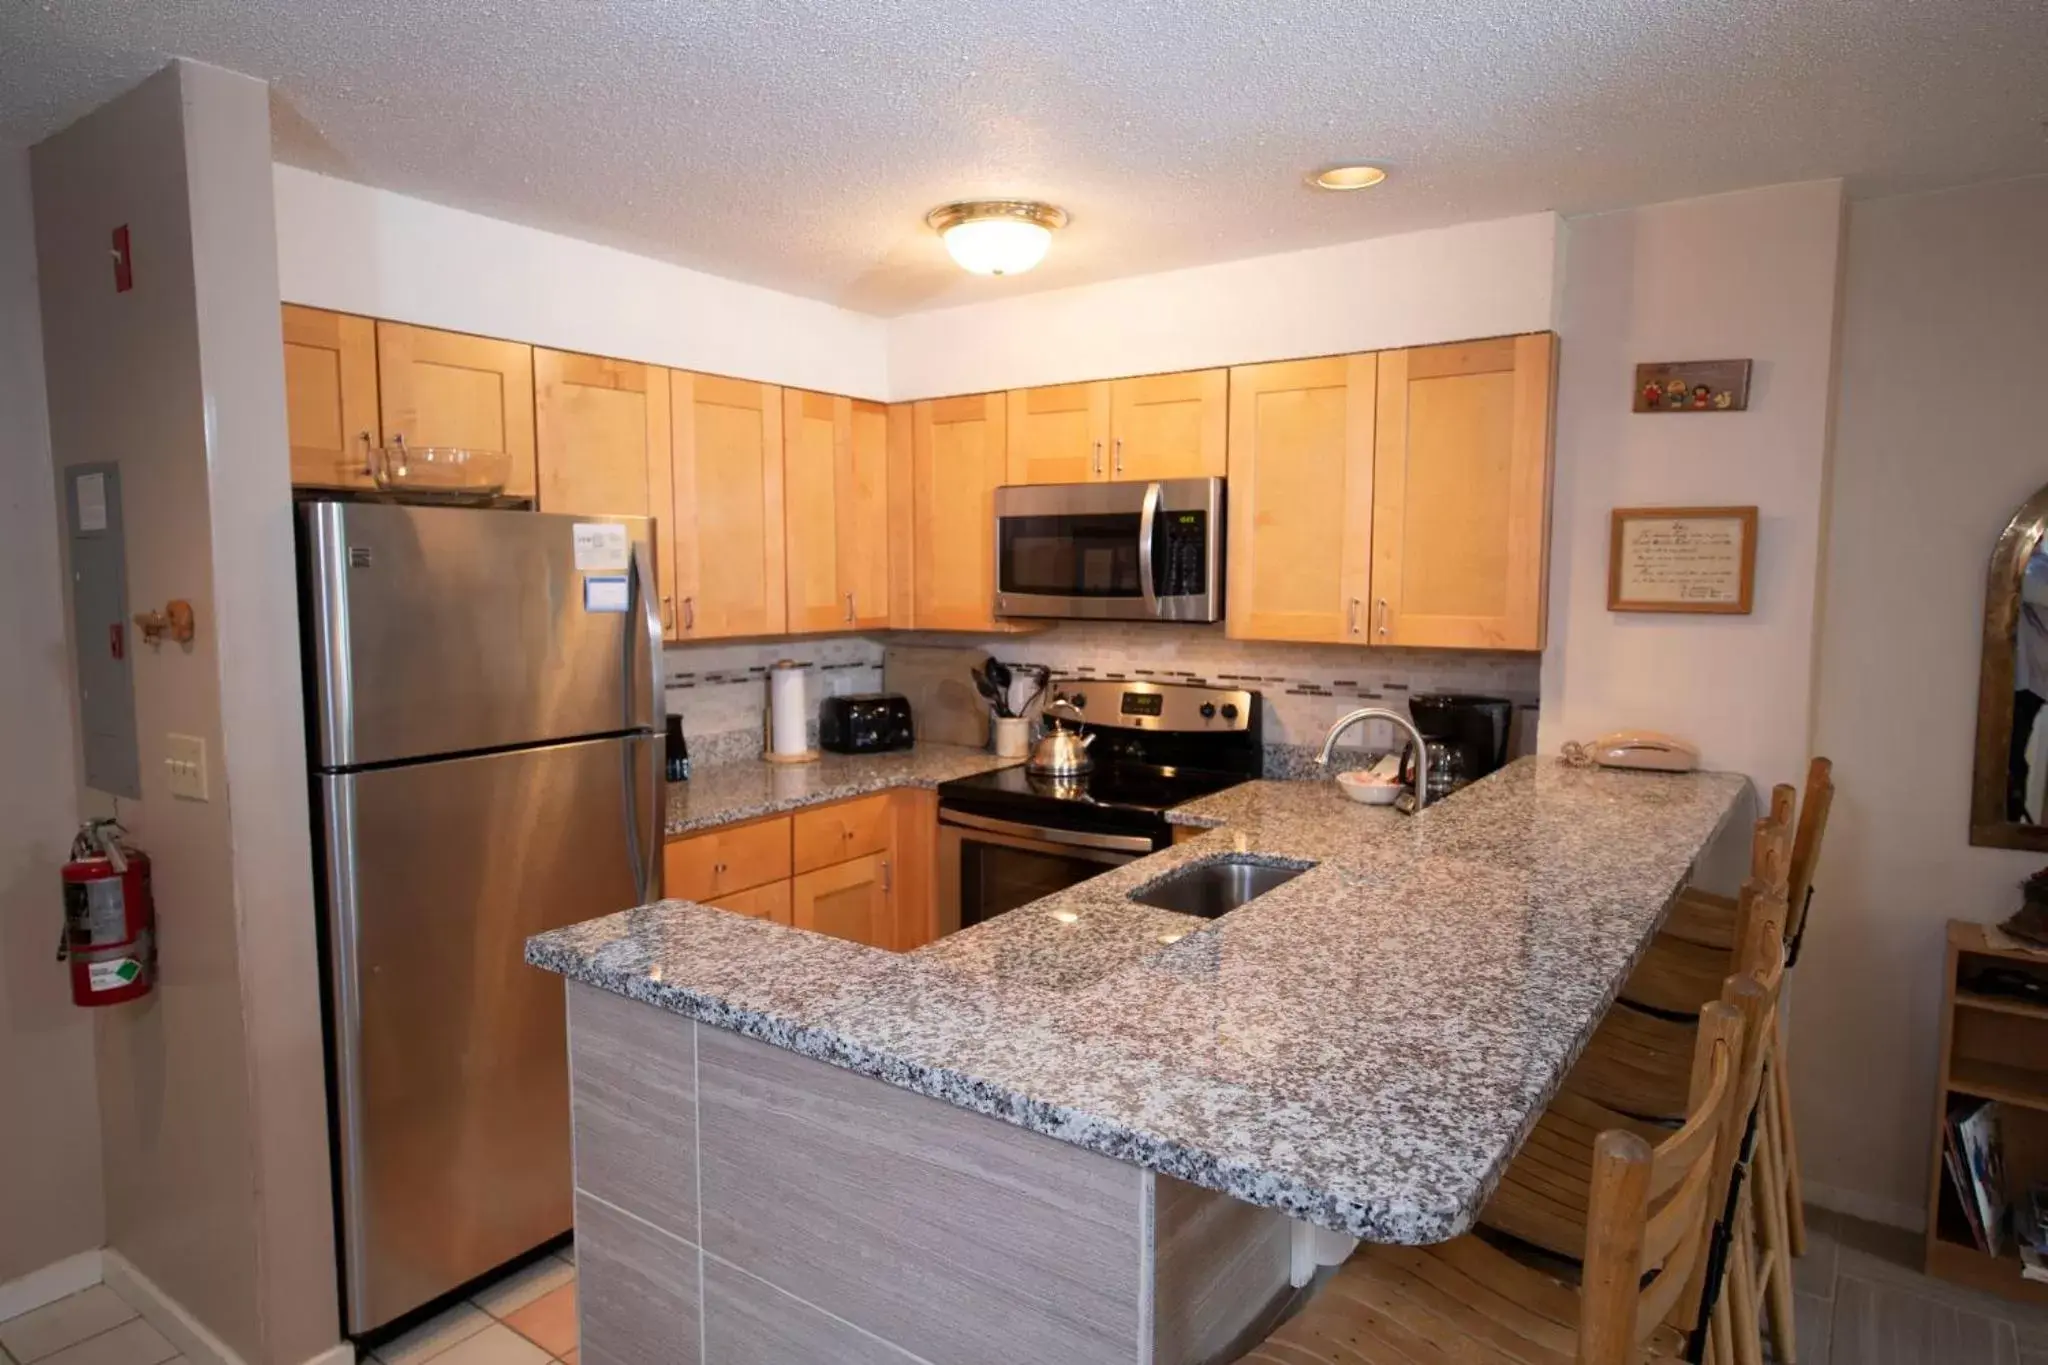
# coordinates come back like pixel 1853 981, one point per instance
pixel 1348 178
pixel 996 236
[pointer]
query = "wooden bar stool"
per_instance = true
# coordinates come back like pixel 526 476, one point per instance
pixel 1702 919
pixel 1633 1078
pixel 1649 1212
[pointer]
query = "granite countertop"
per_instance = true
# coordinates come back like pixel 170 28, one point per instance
pixel 731 792
pixel 1364 1047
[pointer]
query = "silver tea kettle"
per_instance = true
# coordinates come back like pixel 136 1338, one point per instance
pixel 1061 752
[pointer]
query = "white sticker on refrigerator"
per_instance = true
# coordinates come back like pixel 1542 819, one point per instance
pixel 605 592
pixel 601 547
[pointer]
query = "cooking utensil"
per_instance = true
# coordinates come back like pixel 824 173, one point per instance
pixel 986 686
pixel 1061 752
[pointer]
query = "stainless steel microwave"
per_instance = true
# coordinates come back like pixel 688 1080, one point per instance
pixel 1111 551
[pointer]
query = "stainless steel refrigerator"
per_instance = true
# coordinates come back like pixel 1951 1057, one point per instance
pixel 486 696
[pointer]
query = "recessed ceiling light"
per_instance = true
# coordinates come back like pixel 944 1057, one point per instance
pixel 1348 178
pixel 997 236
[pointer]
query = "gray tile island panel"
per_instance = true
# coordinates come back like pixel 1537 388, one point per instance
pixel 1364 1047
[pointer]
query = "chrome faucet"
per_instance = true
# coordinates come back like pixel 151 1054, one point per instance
pixel 1407 803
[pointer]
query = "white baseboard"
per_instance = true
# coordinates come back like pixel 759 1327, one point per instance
pixel 194 1342
pixel 1869 1207
pixel 49 1284
pixel 166 1314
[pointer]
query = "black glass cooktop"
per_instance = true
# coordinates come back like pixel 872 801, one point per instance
pixel 1113 794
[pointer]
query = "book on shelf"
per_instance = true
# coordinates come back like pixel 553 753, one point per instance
pixel 1974 1155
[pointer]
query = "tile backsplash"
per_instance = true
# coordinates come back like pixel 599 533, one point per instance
pixel 720 690
pixel 1306 687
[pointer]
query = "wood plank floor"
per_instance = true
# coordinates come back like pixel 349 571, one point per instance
pixel 1863 1301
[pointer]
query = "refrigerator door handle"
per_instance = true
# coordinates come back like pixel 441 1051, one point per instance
pixel 643 846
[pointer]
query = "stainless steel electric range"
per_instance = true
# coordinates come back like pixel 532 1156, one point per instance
pixel 1008 837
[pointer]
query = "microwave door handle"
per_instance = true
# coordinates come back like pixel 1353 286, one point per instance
pixel 1146 518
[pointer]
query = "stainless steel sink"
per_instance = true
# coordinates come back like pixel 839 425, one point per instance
pixel 1216 888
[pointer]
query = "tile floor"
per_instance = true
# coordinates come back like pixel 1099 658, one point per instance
pixel 527 1318
pixel 1861 1301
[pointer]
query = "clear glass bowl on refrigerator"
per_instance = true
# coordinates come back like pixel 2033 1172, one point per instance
pixel 448 472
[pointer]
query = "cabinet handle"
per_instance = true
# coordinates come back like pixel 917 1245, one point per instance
pixel 886 879
pixel 1119 454
pixel 369 455
pixel 668 612
pixel 849 608
pixel 689 613
pixel 1095 465
pixel 1383 618
pixel 1352 627
pixel 718 869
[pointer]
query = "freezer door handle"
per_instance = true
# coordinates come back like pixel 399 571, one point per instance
pixel 643 842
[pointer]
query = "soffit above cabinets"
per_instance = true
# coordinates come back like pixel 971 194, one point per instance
pixel 800 149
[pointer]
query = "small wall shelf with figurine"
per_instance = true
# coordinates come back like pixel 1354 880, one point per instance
pixel 1990 1148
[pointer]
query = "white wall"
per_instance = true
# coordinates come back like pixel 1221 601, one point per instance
pixel 1938 439
pixel 360 250
pixel 1737 275
pixel 50 1195
pixel 211 1091
pixel 1448 284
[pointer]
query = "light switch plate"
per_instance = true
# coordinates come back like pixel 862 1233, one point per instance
pixel 185 760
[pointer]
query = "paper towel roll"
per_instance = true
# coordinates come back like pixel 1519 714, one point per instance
pixel 788 716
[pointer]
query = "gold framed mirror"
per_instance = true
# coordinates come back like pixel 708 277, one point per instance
pixel 2009 792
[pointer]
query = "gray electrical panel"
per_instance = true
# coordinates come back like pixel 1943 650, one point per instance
pixel 99 628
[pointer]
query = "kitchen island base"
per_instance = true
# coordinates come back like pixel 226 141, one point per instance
pixel 740 1204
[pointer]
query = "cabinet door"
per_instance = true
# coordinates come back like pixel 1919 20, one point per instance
pixel 959 461
pixel 449 389
pixel 1461 494
pixel 728 491
pixel 847 900
pixel 900 438
pixel 601 434
pixel 1169 426
pixel 1059 434
pixel 761 902
pixel 1301 476
pixel 817 440
pixel 330 397
pixel 865 547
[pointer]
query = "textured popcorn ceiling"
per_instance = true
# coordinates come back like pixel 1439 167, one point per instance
pixel 798 144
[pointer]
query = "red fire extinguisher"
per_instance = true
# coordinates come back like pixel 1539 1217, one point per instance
pixel 109 918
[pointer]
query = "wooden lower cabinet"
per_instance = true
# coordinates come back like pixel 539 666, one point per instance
pixel 848 900
pixel 760 902
pixel 864 870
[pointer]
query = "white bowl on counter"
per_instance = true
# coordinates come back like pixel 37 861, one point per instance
pixel 1363 787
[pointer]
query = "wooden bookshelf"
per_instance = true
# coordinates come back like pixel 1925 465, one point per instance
pixel 1992 1048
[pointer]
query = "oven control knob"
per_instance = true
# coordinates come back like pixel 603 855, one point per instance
pixel 1229 711
pixel 1208 710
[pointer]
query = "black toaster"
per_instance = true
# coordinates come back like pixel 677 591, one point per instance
pixel 865 723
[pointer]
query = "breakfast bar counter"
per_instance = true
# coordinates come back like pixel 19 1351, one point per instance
pixel 1362 1048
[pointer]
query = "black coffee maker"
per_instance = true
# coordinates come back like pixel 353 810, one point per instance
pixel 1467 737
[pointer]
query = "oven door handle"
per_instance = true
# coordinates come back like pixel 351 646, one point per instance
pixel 1073 838
pixel 1146 518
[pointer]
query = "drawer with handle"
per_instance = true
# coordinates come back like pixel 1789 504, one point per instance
pixel 704 867
pixel 831 834
pixel 761 902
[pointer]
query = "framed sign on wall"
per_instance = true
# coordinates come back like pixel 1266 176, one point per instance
pixel 1683 559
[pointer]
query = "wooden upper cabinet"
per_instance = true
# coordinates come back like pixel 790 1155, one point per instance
pixel 601 432
pixel 958 460
pixel 836 511
pixel 728 483
pixel 1461 494
pixel 866 551
pixel 1059 434
pixel 1169 426
pixel 899 436
pixel 451 389
pixel 330 397
pixel 1301 488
